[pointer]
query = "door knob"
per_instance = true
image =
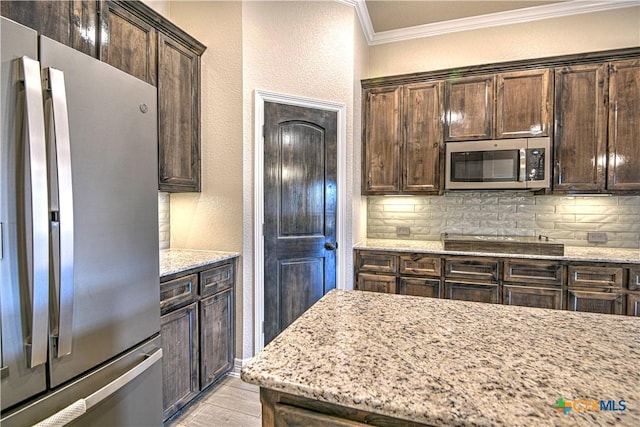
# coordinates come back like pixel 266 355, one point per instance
pixel 331 246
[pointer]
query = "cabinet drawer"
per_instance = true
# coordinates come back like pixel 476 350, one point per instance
pixel 419 287
pixel 634 278
pixel 376 283
pixel 479 292
pixel 594 277
pixel 533 272
pixel 472 268
pixel 216 279
pixel 177 292
pixel 377 262
pixel 528 296
pixel 596 302
pixel 419 264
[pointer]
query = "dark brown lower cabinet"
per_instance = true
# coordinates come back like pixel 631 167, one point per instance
pixel 180 379
pixel 197 330
pixel 633 304
pixel 376 283
pixel 479 292
pixel 216 352
pixel 419 287
pixel 530 296
pixel 596 302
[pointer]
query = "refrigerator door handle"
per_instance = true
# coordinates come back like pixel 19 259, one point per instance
pixel 35 212
pixel 81 406
pixel 61 195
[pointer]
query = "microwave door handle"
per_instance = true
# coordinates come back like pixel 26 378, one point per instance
pixel 62 212
pixel 522 176
pixel 35 212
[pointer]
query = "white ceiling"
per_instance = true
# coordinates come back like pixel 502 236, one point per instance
pixel 385 21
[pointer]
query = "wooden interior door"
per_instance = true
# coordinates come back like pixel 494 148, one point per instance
pixel 300 172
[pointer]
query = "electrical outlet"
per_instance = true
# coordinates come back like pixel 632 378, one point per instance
pixel 599 237
pixel 403 231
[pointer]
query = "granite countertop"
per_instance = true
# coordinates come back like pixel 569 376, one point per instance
pixel 448 362
pixel 181 260
pixel 571 253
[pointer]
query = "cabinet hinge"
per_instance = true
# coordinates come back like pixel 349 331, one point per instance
pixel 262 327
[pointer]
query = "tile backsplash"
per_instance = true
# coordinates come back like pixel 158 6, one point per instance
pixel 567 219
pixel 163 220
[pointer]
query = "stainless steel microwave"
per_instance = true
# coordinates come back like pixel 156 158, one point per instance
pixel 498 164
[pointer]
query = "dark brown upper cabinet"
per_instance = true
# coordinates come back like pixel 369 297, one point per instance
pixel 597 141
pixel 422 148
pixel 524 104
pixel 128 42
pixel 624 126
pixel 469 108
pixel 179 116
pixel 72 23
pixel 403 139
pixel 580 128
pixel 382 130
pixel 517 104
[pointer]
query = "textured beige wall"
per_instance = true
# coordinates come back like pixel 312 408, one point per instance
pixel 212 219
pixel 580 33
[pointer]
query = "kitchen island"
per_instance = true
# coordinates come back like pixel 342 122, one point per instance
pixel 363 357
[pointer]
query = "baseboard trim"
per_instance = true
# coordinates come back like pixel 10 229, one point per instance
pixel 237 365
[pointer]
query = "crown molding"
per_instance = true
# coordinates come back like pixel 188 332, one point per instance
pixel 557 10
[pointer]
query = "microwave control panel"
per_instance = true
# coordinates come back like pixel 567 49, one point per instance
pixel 535 164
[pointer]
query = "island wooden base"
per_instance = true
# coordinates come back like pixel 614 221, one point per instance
pixel 287 410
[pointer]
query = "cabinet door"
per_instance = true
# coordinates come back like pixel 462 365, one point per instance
pixel 479 292
pixel 128 42
pixel 179 116
pixel 376 283
pixel 633 304
pixel 581 128
pixel 423 138
pixel 72 23
pixel 382 140
pixel 469 108
pixel 419 287
pixel 596 302
pixel 531 296
pixel 180 381
pixel 524 102
pixel 624 126
pixel 216 350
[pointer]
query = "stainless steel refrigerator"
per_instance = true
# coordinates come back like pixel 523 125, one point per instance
pixel 79 279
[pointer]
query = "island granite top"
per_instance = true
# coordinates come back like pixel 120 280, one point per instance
pixel 571 253
pixel 447 362
pixel 174 261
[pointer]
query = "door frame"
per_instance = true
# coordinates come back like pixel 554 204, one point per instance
pixel 260 97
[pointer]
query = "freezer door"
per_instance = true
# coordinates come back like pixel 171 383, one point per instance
pixel 125 392
pixel 20 377
pixel 112 128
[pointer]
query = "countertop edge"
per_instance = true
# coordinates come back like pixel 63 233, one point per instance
pixel 175 262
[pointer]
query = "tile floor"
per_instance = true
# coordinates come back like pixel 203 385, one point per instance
pixel 230 403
